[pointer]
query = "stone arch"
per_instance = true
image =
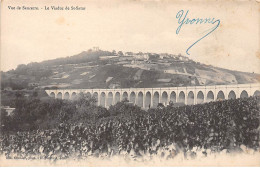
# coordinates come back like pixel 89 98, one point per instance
pixel 67 96
pixel 88 95
pixel 140 99
pixel 95 95
pixel 103 99
pixel 165 98
pixel 148 98
pixel 256 93
pixel 220 95
pixel 132 97
pixel 59 95
pixel 117 97
pixel 232 95
pixel 109 99
pixel 181 97
pixel 210 96
pixel 190 100
pixel 173 97
pixel 156 99
pixel 200 97
pixel 52 94
pixel 73 96
pixel 125 96
pixel 244 94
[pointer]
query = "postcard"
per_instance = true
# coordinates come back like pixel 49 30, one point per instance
pixel 130 83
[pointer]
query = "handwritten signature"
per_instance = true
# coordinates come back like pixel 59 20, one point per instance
pixel 185 20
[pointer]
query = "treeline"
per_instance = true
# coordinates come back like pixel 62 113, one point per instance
pixel 32 113
pixel 83 57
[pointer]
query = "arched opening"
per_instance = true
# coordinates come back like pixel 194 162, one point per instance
pixel 73 96
pixel 117 97
pixel 59 95
pixel 125 96
pixel 155 99
pixel 182 97
pixel 231 95
pixel 66 96
pixel 103 99
pixel 220 95
pixel 132 97
pixel 95 96
pixel 200 97
pixel 256 93
pixel 190 100
pixel 244 94
pixel 140 99
pixel 52 95
pixel 88 95
pixel 164 98
pixel 109 99
pixel 173 97
pixel 210 96
pixel 148 100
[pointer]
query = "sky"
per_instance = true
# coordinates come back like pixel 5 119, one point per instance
pixel 146 26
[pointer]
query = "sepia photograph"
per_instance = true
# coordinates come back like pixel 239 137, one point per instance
pixel 135 83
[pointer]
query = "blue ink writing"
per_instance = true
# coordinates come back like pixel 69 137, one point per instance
pixel 183 19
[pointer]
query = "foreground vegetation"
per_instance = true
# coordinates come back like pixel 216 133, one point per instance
pixel 59 129
pixel 34 112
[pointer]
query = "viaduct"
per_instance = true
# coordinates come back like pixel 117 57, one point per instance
pixel 150 97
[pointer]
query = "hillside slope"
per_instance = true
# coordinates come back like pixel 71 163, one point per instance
pixel 103 69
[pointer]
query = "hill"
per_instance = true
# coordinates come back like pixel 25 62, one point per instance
pixel 104 69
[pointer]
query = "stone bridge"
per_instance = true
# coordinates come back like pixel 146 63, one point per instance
pixel 150 97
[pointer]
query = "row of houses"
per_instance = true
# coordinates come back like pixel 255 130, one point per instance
pixel 144 56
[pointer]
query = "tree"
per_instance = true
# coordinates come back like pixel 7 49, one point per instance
pixel 35 94
pixel 114 52
pixel 124 108
pixel 3 113
pixel 67 111
pixel 160 106
pixel 85 100
pixel 171 104
pixel 21 69
pixel 4 121
pixel 18 94
pixel 120 53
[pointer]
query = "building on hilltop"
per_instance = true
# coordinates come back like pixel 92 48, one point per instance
pixel 95 49
pixel 142 56
pixel 114 85
pixel 107 57
pixel 124 58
